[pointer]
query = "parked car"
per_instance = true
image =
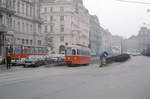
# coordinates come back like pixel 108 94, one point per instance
pixel 21 62
pixel 14 61
pixel 58 58
pixel 34 61
pixel 55 59
pixel 136 54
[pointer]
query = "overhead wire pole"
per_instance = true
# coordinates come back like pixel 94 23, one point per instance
pixel 138 2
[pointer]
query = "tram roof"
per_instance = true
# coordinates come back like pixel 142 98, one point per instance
pixel 78 46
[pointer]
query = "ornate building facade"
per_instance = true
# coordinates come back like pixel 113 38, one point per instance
pixel 25 26
pixel 7 9
pixel 66 22
pixel 95 36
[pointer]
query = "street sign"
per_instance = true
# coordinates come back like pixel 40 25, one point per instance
pixel 105 54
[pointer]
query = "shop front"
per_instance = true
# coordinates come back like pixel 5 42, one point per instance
pixel 3 31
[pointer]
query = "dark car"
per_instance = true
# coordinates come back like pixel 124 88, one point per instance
pixel 33 61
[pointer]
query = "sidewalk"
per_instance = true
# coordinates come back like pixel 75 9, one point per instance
pixel 13 69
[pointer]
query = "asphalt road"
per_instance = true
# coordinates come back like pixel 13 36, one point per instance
pixel 128 80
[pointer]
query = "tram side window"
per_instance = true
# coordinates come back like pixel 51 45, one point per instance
pixel 43 51
pixel 32 50
pixel 25 50
pixel 73 52
pixel 39 50
pixel 78 52
pixel 36 50
pixel 83 52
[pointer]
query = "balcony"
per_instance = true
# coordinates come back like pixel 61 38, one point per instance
pixel 6 8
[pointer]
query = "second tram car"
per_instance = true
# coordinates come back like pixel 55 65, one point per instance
pixel 77 55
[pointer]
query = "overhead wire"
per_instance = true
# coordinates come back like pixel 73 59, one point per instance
pixel 138 2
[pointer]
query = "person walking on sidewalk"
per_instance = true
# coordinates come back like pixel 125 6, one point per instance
pixel 101 61
pixel 8 62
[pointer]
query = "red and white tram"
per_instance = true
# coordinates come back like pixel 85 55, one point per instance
pixel 22 50
pixel 77 55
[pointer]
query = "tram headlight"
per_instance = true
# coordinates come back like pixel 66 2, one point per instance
pixel 75 58
pixel 69 58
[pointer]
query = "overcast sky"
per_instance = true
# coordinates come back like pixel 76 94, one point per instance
pixel 120 18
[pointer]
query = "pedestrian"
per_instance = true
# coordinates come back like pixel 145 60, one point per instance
pixel 103 58
pixel 8 62
pixel 101 61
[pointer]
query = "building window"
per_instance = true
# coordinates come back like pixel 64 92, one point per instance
pixel 61 28
pixel 1 19
pixel 45 18
pixel 10 23
pixel 45 28
pixel 18 26
pixel 27 27
pixel 14 24
pixel 22 41
pixel 27 41
pixel 61 18
pixel 23 27
pixel 27 10
pixel 39 27
pixel 31 42
pixel 39 42
pixel 23 8
pixel 51 28
pixel 45 9
pixel 14 1
pixel 61 9
pixel 31 28
pixel 18 41
pixel 7 21
pixel 31 11
pixel 51 9
pixel 62 38
pixel 18 7
pixel 51 18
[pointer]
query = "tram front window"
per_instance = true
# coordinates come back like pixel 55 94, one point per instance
pixel 73 52
pixel 68 51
